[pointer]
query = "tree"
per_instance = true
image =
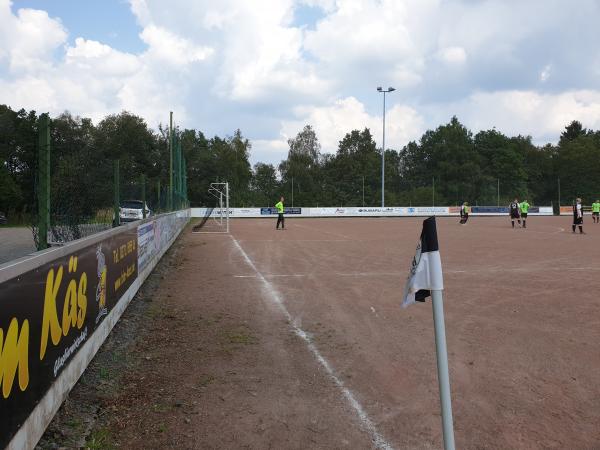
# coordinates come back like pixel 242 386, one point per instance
pixel 18 155
pixel 300 172
pixel 448 155
pixel 572 132
pixel 356 157
pixel 264 184
pixel 578 162
pixel 502 160
pixel 305 146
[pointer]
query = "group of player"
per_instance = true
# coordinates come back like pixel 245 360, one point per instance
pixel 518 212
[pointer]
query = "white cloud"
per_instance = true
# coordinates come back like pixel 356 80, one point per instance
pixel 543 116
pixel 453 55
pixel 141 11
pixel 545 73
pixel 167 47
pixel 331 123
pixel 28 38
pixel 94 57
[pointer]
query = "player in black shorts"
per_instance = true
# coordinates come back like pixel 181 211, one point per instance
pixel 578 216
pixel 514 212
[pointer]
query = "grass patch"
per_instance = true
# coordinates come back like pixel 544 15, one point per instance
pixel 99 440
pixel 160 408
pixel 205 380
pixel 240 337
pixel 104 373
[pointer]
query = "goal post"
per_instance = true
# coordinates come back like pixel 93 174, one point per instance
pixel 215 218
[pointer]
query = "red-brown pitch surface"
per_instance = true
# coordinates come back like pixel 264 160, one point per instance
pixel 522 323
pixel 522 319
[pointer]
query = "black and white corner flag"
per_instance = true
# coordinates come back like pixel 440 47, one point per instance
pixel 425 272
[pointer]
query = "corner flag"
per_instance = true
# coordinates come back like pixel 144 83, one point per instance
pixel 424 280
pixel 425 272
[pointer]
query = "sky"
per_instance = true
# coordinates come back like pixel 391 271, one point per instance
pixel 268 67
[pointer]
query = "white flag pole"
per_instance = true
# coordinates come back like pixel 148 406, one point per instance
pixel 442 366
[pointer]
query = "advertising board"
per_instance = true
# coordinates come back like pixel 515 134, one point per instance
pixel 48 314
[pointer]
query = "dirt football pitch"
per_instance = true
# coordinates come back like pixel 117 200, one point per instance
pixel 296 339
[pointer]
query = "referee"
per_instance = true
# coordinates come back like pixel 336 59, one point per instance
pixel 578 216
pixel 280 219
pixel 514 212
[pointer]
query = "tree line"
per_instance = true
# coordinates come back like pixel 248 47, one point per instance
pixel 446 166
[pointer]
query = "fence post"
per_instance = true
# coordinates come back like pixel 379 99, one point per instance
pixel 185 193
pixel 158 205
pixel 170 196
pixel 43 181
pixel 116 186
pixel 143 196
pixel 180 158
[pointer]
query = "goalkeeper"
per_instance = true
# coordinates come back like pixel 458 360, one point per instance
pixel 280 219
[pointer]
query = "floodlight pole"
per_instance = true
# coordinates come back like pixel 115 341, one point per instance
pixel 442 366
pixel 384 91
pixel 383 158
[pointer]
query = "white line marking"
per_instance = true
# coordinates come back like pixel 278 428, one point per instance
pixel 295 240
pixel 370 274
pixel 368 425
pixel 402 274
pixel 274 275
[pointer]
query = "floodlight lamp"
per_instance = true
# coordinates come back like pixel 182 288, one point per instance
pixel 379 88
pixel 391 89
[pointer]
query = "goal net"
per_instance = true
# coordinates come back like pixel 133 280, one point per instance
pixel 215 217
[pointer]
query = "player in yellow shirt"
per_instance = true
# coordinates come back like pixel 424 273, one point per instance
pixel 596 211
pixel 280 219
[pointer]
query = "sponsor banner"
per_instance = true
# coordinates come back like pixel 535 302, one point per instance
pixel 374 211
pixel 489 209
pixel 286 210
pixel 49 313
pixel 427 210
pixel 500 210
pixel 566 210
pixel 245 212
pixel 148 242
pixel 328 211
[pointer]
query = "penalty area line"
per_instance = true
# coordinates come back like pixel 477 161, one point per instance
pixel 276 299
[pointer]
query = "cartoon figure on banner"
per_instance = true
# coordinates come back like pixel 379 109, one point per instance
pixel 101 289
